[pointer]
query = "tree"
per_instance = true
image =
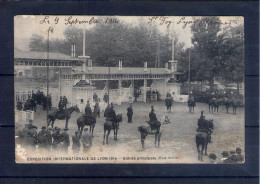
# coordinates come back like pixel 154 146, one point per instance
pixel 206 50
pixel 37 43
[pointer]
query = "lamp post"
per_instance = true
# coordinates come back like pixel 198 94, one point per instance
pixel 109 65
pixel 47 76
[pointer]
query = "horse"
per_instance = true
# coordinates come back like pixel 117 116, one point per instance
pixel 235 103
pixel 202 138
pixel 191 104
pixel 227 103
pixel 89 121
pixel 153 128
pixel 213 105
pixel 109 125
pixel 65 114
pixel 168 103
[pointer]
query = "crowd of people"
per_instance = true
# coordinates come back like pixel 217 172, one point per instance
pixel 48 139
pixel 38 98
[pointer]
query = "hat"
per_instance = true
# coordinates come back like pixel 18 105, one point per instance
pixel 238 150
pixel 43 127
pixel 232 152
pixel 212 156
pixel 225 154
pixel 85 129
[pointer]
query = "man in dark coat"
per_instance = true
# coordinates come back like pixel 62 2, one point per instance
pixel 65 140
pixel 86 140
pixel 76 142
pixel 56 138
pixel 65 102
pixel 44 102
pixel 130 113
pixel 61 104
pixel 95 97
pixel 19 105
pixel 97 109
pixel 88 111
pixel 106 111
pixel 202 122
pixel 152 115
pixel 112 114
pixel 106 98
pixel 43 139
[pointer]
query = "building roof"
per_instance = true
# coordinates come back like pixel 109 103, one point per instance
pixel 125 70
pixel 18 54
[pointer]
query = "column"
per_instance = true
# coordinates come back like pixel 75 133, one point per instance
pixel 120 91
pixel 132 89
pixel 145 86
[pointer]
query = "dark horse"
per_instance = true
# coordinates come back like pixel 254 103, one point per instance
pixel 65 114
pixel 213 105
pixel 109 125
pixel 203 137
pixel 168 103
pixel 191 104
pixel 153 128
pixel 89 121
pixel 227 103
pixel 235 103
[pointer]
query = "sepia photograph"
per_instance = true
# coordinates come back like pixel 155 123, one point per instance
pixel 129 89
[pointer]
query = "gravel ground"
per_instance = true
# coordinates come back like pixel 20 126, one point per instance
pixel 177 141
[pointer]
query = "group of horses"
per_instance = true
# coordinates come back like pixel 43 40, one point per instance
pixel 214 104
pixel 84 120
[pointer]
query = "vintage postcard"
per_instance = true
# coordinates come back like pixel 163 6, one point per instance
pixel 129 89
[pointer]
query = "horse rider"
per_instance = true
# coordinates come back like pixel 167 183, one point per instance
pixel 152 115
pixel 44 138
pixel 65 140
pixel 86 140
pixel 130 113
pixel 203 125
pixel 61 104
pixel 76 142
pixel 111 114
pixel 56 137
pixel 65 102
pixel 106 111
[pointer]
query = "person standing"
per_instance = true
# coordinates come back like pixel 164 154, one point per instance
pixel 130 113
pixel 76 143
pixel 95 97
pixel 43 139
pixel 56 138
pixel 106 98
pixel 65 140
pixel 86 140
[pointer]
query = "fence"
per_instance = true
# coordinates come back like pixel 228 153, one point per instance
pixel 24 116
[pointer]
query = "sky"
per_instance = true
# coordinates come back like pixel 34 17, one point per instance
pixel 26 25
